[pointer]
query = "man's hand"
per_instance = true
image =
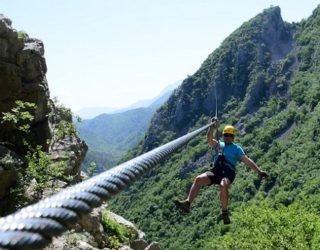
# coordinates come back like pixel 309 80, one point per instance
pixel 263 174
pixel 215 122
pixel 214 119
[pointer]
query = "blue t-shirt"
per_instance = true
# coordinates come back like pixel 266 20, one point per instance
pixel 232 153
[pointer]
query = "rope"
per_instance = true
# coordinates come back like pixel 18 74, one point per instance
pixel 215 94
pixel 216 117
pixel 34 226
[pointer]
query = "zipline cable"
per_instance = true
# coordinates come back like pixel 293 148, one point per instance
pixel 34 226
pixel 216 115
pixel 215 95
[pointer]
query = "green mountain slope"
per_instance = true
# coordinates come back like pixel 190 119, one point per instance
pixel 267 78
pixel 111 136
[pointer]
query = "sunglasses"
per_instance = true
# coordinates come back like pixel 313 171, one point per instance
pixel 228 135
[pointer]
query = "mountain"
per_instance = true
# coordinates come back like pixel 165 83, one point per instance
pixel 159 99
pixel 111 136
pixel 266 75
pixel 89 113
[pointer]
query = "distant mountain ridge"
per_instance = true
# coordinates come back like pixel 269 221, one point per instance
pixel 110 136
pixel 91 112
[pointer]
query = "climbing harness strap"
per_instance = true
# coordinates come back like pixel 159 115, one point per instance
pixel 221 162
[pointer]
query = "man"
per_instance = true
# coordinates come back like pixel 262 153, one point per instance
pixel 223 174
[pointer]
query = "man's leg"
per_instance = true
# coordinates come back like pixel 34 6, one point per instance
pixel 200 181
pixel 224 197
pixel 224 193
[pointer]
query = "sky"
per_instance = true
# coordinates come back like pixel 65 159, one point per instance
pixel 112 53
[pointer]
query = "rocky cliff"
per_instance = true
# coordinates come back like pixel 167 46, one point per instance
pixel 40 151
pixel 22 69
pixel 28 118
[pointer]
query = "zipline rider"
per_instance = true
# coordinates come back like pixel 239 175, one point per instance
pixel 227 154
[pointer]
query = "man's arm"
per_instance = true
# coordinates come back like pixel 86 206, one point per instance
pixel 212 142
pixel 251 164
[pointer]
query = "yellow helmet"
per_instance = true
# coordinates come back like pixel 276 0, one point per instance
pixel 229 130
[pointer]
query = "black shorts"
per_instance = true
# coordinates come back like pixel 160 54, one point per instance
pixel 217 174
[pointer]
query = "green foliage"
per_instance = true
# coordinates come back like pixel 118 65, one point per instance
pixel 65 129
pixel 22 34
pixel 306 89
pixel 78 119
pixel 63 117
pixel 275 104
pixel 20 116
pixel 117 234
pixel 62 110
pixel 41 167
pixel 8 162
pixel 92 168
pixel 263 227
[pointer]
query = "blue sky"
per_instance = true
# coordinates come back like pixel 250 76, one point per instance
pixel 112 53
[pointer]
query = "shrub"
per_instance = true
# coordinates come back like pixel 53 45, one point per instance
pixel 41 167
pixel 117 234
pixel 20 116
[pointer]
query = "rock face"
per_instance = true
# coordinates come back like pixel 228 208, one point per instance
pixel 10 163
pixel 65 144
pixel 89 234
pixel 23 78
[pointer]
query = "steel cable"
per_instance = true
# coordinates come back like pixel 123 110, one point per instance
pixel 34 226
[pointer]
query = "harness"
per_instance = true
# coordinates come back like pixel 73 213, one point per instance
pixel 221 163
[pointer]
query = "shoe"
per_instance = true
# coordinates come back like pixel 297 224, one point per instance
pixel 184 205
pixel 225 217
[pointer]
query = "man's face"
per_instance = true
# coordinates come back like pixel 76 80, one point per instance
pixel 228 138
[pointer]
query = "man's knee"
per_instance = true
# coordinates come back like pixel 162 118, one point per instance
pixel 224 184
pixel 202 179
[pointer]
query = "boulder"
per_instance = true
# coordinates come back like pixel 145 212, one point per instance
pixel 73 241
pixel 84 246
pixel 5 27
pixel 32 194
pixel 154 246
pixel 125 248
pixel 139 244
pixel 91 224
pixel 72 150
pixel 53 187
pixel 31 61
